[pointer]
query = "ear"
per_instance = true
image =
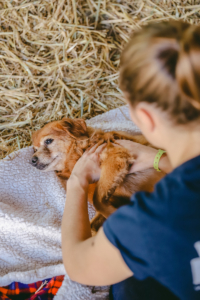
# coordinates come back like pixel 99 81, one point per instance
pixel 143 117
pixel 34 136
pixel 74 127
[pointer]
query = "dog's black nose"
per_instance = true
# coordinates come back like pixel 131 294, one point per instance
pixel 34 160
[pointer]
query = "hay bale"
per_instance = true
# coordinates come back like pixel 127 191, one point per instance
pixel 61 58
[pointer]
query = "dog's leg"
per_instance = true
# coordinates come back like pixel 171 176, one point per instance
pixel 113 136
pixel 125 136
pixel 96 223
pixel 115 165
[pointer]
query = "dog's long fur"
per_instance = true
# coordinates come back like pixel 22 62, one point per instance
pixel 58 146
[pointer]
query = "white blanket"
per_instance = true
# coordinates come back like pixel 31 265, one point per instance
pixel 31 209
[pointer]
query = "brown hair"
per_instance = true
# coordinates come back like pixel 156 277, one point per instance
pixel 161 65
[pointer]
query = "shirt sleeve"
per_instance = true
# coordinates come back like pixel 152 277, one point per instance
pixel 136 229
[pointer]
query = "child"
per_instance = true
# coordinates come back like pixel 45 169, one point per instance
pixel 149 248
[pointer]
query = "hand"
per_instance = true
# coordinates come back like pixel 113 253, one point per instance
pixel 87 169
pixel 144 156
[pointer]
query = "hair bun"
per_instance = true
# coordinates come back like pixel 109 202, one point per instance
pixel 161 65
pixel 168 57
pixel 188 65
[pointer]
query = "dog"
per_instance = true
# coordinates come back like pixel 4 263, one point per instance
pixel 58 146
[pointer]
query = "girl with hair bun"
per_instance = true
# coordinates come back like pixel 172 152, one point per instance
pixel 150 248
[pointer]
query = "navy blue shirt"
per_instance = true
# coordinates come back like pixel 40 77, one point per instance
pixel 158 234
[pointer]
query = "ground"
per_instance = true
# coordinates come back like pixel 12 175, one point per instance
pixel 61 58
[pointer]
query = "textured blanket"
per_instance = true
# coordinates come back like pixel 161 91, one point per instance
pixel 31 209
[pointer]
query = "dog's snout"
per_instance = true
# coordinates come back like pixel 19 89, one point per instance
pixel 34 160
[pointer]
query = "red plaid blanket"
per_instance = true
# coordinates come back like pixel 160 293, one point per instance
pixel 41 290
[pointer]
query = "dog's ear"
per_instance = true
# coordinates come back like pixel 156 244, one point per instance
pixel 34 134
pixel 35 137
pixel 74 127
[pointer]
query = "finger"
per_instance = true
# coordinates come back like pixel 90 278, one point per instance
pixel 132 169
pixel 116 144
pixel 136 167
pixel 127 143
pixel 120 142
pixel 95 147
pixel 92 149
pixel 100 148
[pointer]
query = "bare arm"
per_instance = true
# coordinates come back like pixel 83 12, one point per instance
pixel 145 157
pixel 88 260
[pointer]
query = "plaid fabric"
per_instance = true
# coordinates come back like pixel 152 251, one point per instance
pixel 41 290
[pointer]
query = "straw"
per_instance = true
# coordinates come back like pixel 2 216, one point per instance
pixel 60 58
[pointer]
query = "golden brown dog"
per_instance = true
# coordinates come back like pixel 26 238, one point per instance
pixel 58 146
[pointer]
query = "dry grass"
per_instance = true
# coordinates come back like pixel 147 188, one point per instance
pixel 61 58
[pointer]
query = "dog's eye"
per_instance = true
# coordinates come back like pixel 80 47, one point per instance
pixel 35 150
pixel 48 141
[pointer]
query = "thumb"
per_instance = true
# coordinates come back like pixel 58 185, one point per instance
pixel 132 169
pixel 137 166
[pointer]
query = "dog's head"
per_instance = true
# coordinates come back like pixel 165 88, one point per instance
pixel 53 143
